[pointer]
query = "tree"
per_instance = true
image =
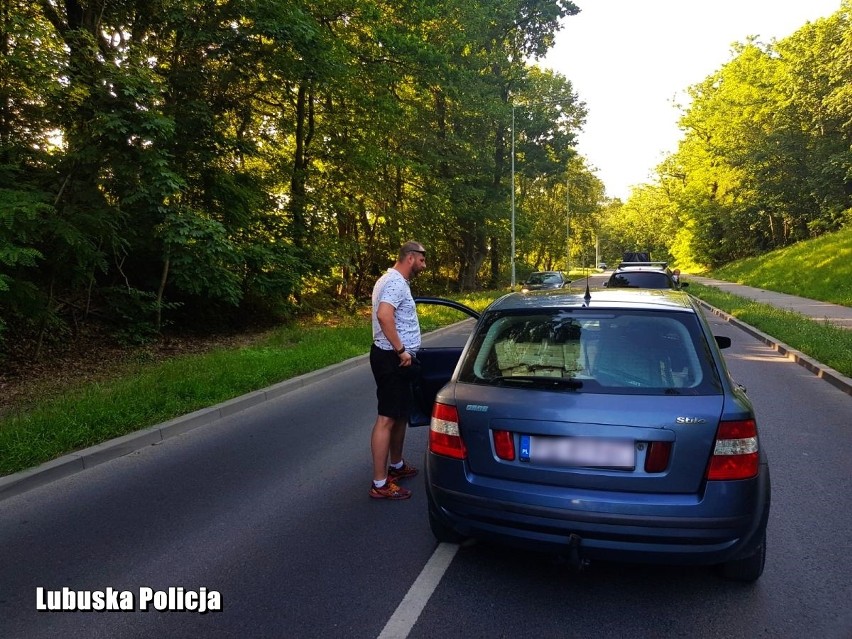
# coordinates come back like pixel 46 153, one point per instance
pixel 29 69
pixel 764 161
pixel 197 161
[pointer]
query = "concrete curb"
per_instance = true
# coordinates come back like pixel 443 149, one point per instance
pixel 822 371
pixel 21 482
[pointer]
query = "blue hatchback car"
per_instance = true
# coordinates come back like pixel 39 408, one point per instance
pixel 598 426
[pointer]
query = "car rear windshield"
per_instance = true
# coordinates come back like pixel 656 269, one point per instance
pixel 642 279
pixel 624 352
pixel 545 278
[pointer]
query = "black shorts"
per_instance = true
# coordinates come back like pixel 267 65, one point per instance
pixel 393 386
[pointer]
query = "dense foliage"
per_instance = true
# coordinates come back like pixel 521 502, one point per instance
pixel 205 161
pixel 766 156
pixel 200 163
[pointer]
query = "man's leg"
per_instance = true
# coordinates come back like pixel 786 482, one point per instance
pixel 380 444
pixel 397 439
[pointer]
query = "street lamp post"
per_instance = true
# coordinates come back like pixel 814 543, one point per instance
pixel 513 196
pixel 568 227
pixel 513 182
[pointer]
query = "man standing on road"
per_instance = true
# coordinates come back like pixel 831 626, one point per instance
pixel 396 338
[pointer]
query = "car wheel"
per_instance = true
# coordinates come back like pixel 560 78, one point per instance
pixel 747 569
pixel 443 533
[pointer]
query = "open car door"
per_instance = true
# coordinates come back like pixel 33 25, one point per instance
pixel 437 365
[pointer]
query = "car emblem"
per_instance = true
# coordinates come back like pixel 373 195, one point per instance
pixel 477 408
pixel 690 420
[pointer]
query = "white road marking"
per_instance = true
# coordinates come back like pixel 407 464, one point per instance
pixel 409 609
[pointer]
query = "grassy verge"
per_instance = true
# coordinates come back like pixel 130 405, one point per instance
pixel 819 269
pixel 145 395
pixel 826 343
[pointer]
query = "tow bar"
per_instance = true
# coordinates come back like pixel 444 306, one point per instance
pixel 572 557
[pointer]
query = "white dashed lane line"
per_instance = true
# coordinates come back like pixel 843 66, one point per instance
pixel 409 609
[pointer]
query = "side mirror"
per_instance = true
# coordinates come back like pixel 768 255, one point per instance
pixel 722 341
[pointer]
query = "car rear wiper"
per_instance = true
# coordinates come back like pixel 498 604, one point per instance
pixel 566 382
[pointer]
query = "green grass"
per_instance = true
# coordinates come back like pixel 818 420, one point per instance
pixel 824 342
pixel 151 393
pixel 819 269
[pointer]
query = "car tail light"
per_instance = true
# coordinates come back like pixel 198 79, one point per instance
pixel 504 445
pixel 657 459
pixel 735 455
pixel 444 436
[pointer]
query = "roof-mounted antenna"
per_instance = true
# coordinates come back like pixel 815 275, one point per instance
pixel 588 295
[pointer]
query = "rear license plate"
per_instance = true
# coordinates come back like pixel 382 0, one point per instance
pixel 578 451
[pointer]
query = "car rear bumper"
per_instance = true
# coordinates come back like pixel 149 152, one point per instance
pixel 726 523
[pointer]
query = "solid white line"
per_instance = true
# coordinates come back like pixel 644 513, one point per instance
pixel 409 609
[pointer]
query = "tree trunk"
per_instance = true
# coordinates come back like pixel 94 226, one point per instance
pixel 473 255
pixel 299 177
pixel 163 279
pixel 495 263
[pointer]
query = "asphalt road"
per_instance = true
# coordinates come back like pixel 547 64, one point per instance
pixel 269 508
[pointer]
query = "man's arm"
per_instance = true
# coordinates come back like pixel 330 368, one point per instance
pixel 385 315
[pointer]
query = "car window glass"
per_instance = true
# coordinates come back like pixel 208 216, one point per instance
pixel 643 353
pixel 544 278
pixel 645 279
pixel 625 352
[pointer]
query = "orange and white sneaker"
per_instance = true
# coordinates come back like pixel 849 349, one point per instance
pixel 389 491
pixel 407 470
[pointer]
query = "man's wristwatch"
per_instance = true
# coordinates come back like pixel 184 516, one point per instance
pixel 401 350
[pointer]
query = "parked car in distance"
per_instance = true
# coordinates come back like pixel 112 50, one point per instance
pixel 541 280
pixel 602 266
pixel 603 426
pixel 643 275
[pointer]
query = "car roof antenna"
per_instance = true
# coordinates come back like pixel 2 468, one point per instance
pixel 588 295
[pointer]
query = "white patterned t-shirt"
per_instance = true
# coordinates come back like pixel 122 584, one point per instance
pixel 393 288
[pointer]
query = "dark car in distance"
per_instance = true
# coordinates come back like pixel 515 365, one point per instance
pixel 643 275
pixel 603 426
pixel 542 280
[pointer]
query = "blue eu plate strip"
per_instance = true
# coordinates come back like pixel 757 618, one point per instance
pixel 525 448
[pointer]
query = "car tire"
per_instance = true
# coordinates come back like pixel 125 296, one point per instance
pixel 747 569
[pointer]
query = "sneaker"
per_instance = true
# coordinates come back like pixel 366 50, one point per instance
pixel 407 470
pixel 389 491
